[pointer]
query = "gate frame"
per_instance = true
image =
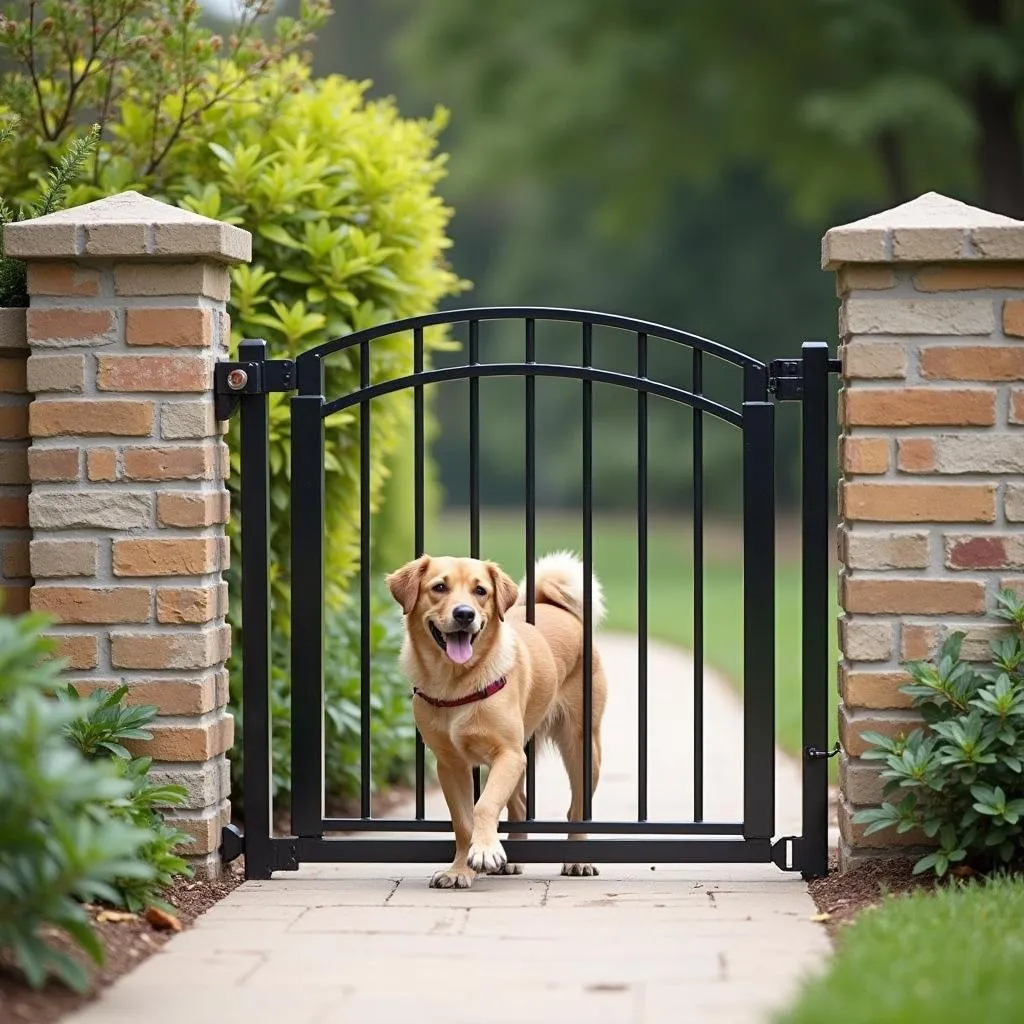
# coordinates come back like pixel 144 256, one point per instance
pixel 246 384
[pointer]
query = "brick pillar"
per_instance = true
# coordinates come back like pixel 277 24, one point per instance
pixel 127 467
pixel 931 452
pixel 14 531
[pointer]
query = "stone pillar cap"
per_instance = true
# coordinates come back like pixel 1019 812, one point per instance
pixel 930 229
pixel 127 225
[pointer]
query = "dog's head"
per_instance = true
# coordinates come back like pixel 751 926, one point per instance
pixel 453 601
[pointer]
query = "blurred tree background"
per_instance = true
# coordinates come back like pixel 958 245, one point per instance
pixel 679 160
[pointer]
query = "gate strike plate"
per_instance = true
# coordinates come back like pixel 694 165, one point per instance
pixel 232 380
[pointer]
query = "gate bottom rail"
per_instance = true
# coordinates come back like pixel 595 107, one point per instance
pixel 286 853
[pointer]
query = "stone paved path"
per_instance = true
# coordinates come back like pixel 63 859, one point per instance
pixel 638 945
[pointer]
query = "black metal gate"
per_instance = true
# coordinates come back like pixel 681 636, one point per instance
pixel 248 382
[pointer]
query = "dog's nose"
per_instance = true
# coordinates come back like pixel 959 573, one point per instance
pixel 463 614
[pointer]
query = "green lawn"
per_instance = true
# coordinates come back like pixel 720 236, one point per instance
pixel 670 589
pixel 954 955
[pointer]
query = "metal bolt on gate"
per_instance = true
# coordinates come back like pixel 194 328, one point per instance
pixel 246 383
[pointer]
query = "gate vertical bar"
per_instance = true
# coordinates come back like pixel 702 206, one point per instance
pixel 641 579
pixel 419 483
pixel 531 539
pixel 474 474
pixel 307 526
pixel 365 523
pixel 698 590
pixel 255 508
pixel 758 608
pixel 588 576
pixel 813 853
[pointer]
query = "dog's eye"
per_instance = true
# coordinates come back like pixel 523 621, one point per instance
pixel 479 591
pixel 438 588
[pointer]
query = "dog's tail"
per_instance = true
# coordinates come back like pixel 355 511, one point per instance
pixel 558 580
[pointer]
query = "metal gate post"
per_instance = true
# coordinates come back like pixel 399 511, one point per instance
pixel 758 610
pixel 255 508
pixel 812 853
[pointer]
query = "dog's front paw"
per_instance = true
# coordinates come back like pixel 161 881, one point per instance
pixel 452 878
pixel 579 870
pixel 487 856
pixel 507 869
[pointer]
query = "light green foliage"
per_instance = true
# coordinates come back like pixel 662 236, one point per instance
pixel 103 721
pixel 962 781
pixel 63 837
pixel 840 100
pixel 952 955
pixel 348 233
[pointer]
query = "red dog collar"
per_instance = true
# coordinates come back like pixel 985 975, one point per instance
pixel 483 694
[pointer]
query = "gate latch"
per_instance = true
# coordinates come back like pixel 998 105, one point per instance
pixel 232 380
pixel 814 754
pixel 786 378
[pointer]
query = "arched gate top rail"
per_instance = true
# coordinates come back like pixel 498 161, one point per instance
pixel 313 356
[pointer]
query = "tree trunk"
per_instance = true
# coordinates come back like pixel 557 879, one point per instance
pixel 893 169
pixel 999 153
pixel 999 156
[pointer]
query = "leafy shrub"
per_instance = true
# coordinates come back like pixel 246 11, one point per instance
pixel 101 725
pixel 347 233
pixel 963 779
pixel 62 838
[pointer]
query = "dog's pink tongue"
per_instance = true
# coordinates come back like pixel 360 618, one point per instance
pixel 458 647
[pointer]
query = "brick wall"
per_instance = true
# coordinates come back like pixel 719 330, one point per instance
pixel 14 532
pixel 931 454
pixel 127 470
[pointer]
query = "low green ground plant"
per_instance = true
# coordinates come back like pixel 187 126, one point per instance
pixel 960 780
pixel 102 724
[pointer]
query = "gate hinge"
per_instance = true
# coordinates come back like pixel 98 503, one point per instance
pixel 786 378
pixel 232 380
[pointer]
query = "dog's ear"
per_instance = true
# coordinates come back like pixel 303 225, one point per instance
pixel 404 583
pixel 505 590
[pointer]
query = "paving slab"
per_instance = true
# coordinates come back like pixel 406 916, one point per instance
pixel 639 944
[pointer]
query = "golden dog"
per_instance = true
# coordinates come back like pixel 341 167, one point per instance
pixel 485 680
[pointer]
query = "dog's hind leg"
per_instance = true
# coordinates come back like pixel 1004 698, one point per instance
pixel 457 785
pixel 568 739
pixel 516 812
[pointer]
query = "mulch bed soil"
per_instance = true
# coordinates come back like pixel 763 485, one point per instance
pixel 128 941
pixel 843 896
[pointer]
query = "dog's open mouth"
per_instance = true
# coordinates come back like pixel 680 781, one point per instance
pixel 458 646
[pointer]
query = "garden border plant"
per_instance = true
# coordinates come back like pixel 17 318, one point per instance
pixel 962 777
pixel 78 818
